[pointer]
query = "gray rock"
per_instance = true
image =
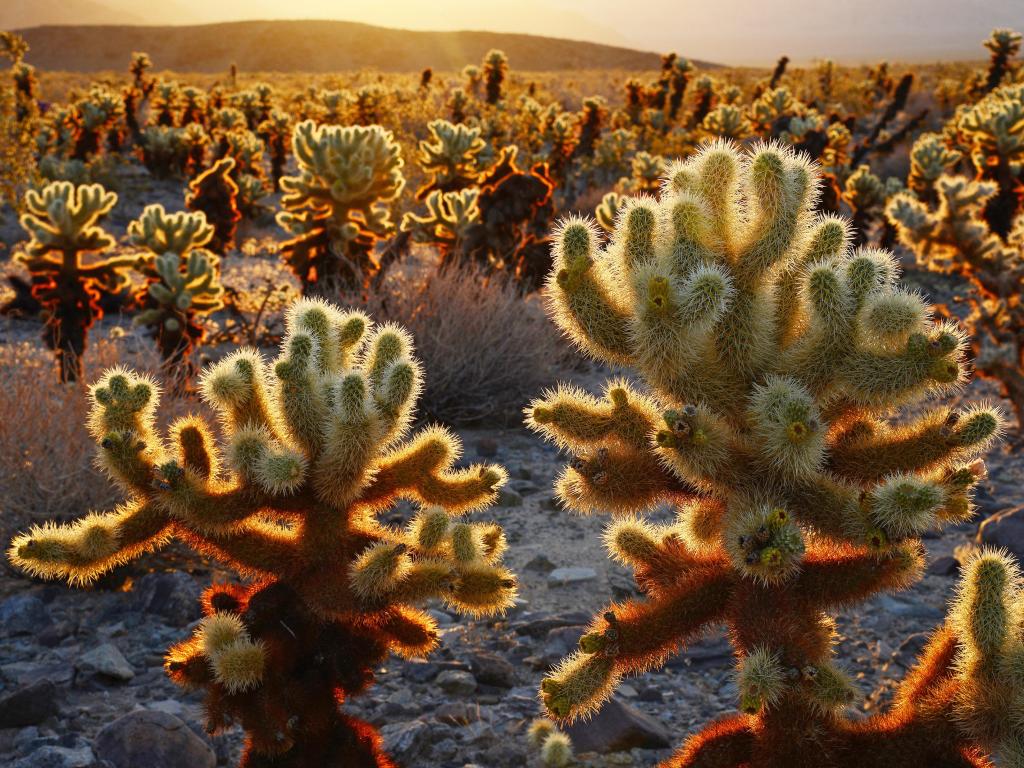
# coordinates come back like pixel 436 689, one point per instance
pixel 151 739
pixel 1005 529
pixel 456 682
pixel 895 606
pixel 943 566
pixel 29 705
pixel 406 742
pixel 172 595
pixel 617 727
pixel 492 669
pixel 540 564
pixel 57 757
pixel 106 661
pixel 561 577
pixel 509 498
pixel 23 615
pixel 561 641
pixel 487 447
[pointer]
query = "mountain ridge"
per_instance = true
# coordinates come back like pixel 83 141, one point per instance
pixel 313 46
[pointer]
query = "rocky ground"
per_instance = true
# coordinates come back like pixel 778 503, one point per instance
pixel 82 684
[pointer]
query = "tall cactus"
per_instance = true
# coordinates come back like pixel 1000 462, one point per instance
pixel 182 284
pixel 315 448
pixel 63 223
pixel 336 205
pixel 772 356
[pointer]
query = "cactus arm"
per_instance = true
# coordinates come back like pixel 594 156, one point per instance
pixel 254 548
pixel 422 470
pixel 871 449
pixel 82 551
pixel 845 575
pixel 934 667
pixel 573 419
pixel 725 743
pixel 618 478
pixel 580 299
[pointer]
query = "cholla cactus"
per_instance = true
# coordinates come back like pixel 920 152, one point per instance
pixel 773 356
pixel 607 211
pixel 451 156
pixel 1003 45
pixel 726 121
pixel 314 449
pixel 214 193
pixel 63 222
pixel 992 135
pixel 163 152
pixel 647 170
pixel 182 284
pixel 93 117
pixel 953 237
pixel 472 74
pixel 494 70
pixel 457 103
pixel 449 218
pixel 930 158
pixel 335 206
pixel 554 746
pixel 275 132
pixel 867 194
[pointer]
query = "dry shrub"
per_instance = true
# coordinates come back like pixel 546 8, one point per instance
pixel 487 350
pixel 46 454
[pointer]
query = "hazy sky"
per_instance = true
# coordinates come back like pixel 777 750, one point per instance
pixel 729 31
pixel 736 31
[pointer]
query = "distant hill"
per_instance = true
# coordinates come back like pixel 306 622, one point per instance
pixel 311 46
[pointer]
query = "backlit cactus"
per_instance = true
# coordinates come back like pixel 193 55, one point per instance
pixel 951 235
pixel 336 207
pixel 314 448
pixel 494 70
pixel 63 222
pixel 451 156
pixel 182 284
pixel 772 355
pixel 214 193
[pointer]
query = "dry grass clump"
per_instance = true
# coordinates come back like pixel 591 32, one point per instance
pixel 46 454
pixel 487 349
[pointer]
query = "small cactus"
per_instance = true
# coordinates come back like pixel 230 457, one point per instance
pixel 63 223
pixel 336 205
pixel 182 284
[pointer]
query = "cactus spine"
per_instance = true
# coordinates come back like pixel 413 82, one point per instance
pixel 772 354
pixel 315 447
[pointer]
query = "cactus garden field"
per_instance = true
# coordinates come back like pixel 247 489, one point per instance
pixel 495 417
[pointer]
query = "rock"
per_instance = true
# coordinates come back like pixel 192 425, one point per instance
pixel 107 661
pixel 487 447
pixel 708 650
pixel 1004 529
pixel 492 669
pixel 405 742
pixel 540 624
pixel 509 498
pixel 151 739
pixel 561 577
pixel 457 713
pixel 172 595
pixel 894 606
pixel 51 756
pixel 23 615
pixel 539 564
pixel 29 705
pixel 420 671
pixel 562 641
pixel 617 727
pixel 443 619
pixel 946 565
pixel 456 682
pixel 911 648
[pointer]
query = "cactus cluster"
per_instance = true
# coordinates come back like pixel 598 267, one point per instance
pixel 773 356
pixel 315 447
